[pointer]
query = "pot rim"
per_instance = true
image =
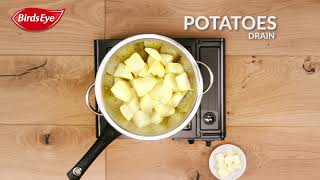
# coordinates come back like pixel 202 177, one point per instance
pixel 100 73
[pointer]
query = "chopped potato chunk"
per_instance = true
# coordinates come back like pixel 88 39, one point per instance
pixel 116 79
pixel 157 69
pixel 144 72
pixel 144 85
pixel 156 118
pixel 150 61
pixel 223 172
pixel 170 80
pixel 122 72
pixel 166 58
pixel 162 93
pixel 147 104
pixel 126 112
pixel 141 119
pixel 134 63
pixel 220 157
pixel 122 91
pixel 164 110
pixel 153 53
pixel 148 83
pixel 228 162
pixel 176 98
pixel 133 104
pixel 183 82
pixel 175 68
pixel 222 165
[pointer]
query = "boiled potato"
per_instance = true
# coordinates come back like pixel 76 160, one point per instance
pixel 134 93
pixel 220 157
pixel 153 53
pixel 236 159
pixel 157 69
pixel 116 79
pixel 126 111
pixel 166 58
pixel 164 110
pixel 136 74
pixel 183 83
pixel 222 165
pixel 123 72
pixel 156 118
pixel 141 119
pixel 122 91
pixel 175 68
pixel 223 172
pixel 166 49
pixel 144 85
pixel 134 63
pixel 228 160
pixel 149 92
pixel 147 104
pixel 230 152
pixel 185 104
pixel 144 72
pixel 133 104
pixel 166 94
pixel 153 44
pixel 154 93
pixel 162 93
pixel 150 61
pixel 233 167
pixel 170 80
pixel 237 166
pixel 176 98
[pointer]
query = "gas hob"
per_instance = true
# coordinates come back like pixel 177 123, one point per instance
pixel 209 123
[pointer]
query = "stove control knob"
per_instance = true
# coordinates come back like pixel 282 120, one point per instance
pixel 209 118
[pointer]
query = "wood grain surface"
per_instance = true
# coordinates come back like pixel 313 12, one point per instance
pixel 269 154
pixel 273 91
pixel 82 22
pixel 45 152
pixel 51 92
pixel 297 32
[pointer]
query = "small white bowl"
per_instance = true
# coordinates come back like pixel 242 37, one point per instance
pixel 224 148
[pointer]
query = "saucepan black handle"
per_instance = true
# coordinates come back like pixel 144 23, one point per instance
pixel 101 143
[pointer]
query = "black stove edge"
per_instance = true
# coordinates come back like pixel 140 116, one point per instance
pixel 222 50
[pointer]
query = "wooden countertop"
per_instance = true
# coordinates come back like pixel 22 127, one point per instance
pixel 273 104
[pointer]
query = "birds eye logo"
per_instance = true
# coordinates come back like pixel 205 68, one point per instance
pixel 36 19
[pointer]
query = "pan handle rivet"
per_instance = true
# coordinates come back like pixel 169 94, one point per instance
pixel 77 171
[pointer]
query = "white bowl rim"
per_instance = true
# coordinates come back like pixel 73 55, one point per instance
pixel 223 148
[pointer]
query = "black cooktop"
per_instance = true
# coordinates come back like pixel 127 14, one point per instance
pixel 209 123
